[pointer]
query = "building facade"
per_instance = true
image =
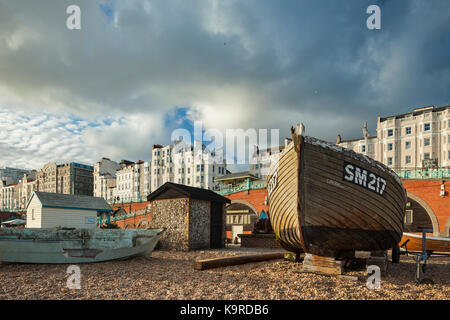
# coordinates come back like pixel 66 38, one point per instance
pixel 185 164
pixel 416 140
pixel 16 186
pixel 133 182
pixel 67 178
pixel 105 178
pixel 264 159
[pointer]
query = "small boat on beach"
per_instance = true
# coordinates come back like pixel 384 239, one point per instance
pixel 435 244
pixel 75 246
pixel 329 201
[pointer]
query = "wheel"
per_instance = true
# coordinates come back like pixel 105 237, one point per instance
pixel 395 254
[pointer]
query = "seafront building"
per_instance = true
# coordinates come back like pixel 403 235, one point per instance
pixel 66 178
pixel 132 182
pixel 408 142
pixel 105 178
pixel 195 165
pixel 263 160
pixel 16 186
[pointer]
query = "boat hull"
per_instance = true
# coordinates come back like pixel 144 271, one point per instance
pixel 317 207
pixel 435 244
pixel 75 246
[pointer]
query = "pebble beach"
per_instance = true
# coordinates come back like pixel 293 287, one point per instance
pixel 169 275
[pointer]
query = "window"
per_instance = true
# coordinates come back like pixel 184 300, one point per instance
pixel 426 127
pixel 389 146
pixel 409 217
pixel 448 139
pixel 32 214
pixel 188 180
pixel 449 154
pixel 203 167
pixel 198 168
pixel 197 179
pixel 426 156
pixel 408 145
pixel 390 133
pixel 389 161
pixel 408 130
pixel 408 159
pixel 426 142
pixel 363 148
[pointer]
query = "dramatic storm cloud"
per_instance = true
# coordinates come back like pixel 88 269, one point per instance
pixel 139 69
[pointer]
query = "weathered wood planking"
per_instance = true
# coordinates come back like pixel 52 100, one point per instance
pixel 435 244
pixel 231 261
pixel 321 206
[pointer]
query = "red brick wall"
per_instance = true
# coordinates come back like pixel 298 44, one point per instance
pixel 255 197
pixel 429 191
pixel 131 222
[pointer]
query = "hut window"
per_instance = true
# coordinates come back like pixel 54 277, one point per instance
pixel 409 217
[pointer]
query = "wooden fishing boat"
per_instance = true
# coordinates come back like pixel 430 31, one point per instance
pixel 75 246
pixel 435 244
pixel 330 201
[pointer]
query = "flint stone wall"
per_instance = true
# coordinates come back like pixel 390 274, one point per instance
pixel 173 215
pixel 199 224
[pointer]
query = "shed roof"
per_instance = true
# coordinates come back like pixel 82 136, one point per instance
pixel 179 190
pixel 58 200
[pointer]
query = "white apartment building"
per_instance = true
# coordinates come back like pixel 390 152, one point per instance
pixel 8 197
pixel 263 160
pixel 197 166
pixel 105 178
pixel 16 186
pixel 24 190
pixel 414 140
pixel 162 165
pixel 133 182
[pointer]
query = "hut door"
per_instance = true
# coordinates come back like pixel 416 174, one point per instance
pixel 216 226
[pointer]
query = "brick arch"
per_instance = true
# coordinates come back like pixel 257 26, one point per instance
pixel 430 212
pixel 130 225
pixel 248 204
pixel 447 228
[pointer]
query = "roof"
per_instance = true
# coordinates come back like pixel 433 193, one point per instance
pixel 58 200
pixel 174 190
pixel 359 139
pixel 415 112
pixel 236 175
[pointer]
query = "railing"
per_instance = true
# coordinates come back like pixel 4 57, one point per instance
pixel 133 200
pixel 242 187
pixel 130 215
pixel 423 173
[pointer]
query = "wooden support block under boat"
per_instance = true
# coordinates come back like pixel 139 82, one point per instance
pixel 231 261
pixel 322 265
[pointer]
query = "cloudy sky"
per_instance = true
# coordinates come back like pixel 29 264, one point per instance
pixel 137 70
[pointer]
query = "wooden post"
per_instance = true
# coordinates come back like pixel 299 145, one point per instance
pixel 318 264
pixel 231 261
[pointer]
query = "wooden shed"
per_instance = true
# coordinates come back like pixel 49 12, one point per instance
pixel 48 210
pixel 194 217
